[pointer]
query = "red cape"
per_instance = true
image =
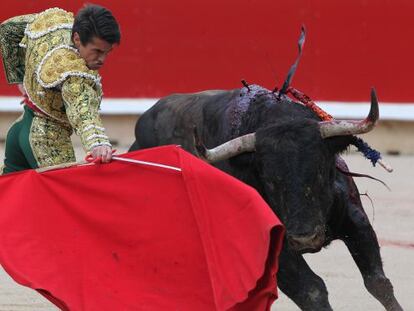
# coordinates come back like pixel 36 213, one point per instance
pixel 124 236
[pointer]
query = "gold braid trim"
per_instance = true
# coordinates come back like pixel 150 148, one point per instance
pixel 60 63
pixel 49 21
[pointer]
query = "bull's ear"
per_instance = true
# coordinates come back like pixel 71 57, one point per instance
pixel 338 144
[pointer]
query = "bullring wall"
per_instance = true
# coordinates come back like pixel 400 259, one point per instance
pixel 186 46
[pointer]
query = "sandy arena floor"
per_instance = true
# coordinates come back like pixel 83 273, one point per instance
pixel 392 217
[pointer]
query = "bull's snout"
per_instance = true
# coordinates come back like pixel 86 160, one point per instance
pixel 307 242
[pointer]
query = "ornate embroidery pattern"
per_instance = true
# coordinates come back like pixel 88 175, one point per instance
pixel 11 33
pixel 60 63
pixel 47 100
pixel 48 21
pixel 87 128
pixel 82 103
pixel 58 82
pixel 50 142
pixel 41 93
pixel 51 62
pixel 93 136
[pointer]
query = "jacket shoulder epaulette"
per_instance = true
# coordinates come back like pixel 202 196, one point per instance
pixel 49 21
pixel 63 62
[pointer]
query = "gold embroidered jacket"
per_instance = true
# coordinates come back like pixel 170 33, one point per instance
pixel 37 52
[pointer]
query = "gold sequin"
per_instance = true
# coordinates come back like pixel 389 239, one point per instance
pixel 71 56
pixel 43 48
pixel 37 26
pixel 55 40
pixel 57 59
pixel 75 88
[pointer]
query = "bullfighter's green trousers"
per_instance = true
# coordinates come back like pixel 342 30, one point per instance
pixel 19 155
pixel 35 141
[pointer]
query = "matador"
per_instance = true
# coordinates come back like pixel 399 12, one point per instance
pixel 55 57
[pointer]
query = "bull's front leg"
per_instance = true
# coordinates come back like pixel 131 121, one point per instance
pixel 300 283
pixel 361 240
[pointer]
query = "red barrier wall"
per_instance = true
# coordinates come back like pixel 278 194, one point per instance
pixel 187 45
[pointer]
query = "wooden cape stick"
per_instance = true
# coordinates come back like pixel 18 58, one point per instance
pixel 67 165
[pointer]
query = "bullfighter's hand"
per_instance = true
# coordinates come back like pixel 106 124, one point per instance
pixel 103 152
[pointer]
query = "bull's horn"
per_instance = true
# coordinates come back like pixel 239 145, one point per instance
pixel 351 127
pixel 385 165
pixel 231 148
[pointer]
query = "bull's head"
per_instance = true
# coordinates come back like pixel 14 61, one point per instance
pixel 295 161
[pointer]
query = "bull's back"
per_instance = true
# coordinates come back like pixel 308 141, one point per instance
pixel 173 118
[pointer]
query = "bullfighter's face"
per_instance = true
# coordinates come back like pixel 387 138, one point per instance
pixel 94 52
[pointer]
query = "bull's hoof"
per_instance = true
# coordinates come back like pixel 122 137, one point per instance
pixel 381 288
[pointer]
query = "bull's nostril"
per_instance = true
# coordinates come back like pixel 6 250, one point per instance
pixel 306 242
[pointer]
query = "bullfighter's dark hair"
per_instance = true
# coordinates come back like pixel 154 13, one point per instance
pixel 96 21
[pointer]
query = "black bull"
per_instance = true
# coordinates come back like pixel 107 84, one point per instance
pixel 291 160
